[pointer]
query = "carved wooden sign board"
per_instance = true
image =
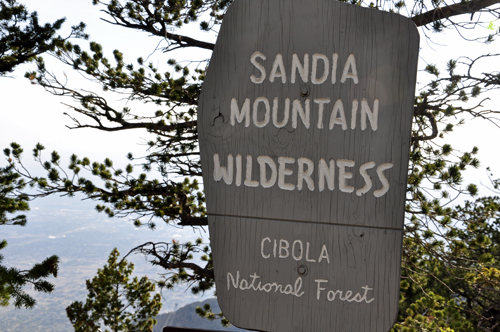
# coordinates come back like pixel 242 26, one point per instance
pixel 304 125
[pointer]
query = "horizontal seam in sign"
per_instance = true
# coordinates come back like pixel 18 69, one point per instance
pixel 306 222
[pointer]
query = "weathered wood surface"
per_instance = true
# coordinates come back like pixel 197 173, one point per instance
pixel 354 229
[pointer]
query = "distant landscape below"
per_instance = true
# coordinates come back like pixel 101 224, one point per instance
pixel 83 240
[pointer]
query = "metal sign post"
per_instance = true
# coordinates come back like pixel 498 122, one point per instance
pixel 304 124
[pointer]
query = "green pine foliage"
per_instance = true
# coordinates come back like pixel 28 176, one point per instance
pixel 450 270
pixel 13 280
pixel 116 301
pixel 22 38
pixel 12 199
pixel 454 284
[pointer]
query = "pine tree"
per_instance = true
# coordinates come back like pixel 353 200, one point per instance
pixel 22 38
pixel 12 280
pixel 450 274
pixel 116 301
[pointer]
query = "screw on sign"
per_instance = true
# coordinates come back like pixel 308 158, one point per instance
pixel 304 123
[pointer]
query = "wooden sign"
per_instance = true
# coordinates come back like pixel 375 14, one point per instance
pixel 304 124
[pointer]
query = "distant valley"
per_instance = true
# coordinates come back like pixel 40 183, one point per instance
pixel 83 239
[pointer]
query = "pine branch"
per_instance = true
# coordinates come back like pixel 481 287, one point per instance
pixel 423 111
pixel 464 7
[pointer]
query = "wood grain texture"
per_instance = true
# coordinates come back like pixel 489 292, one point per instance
pixel 357 257
pixel 242 214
